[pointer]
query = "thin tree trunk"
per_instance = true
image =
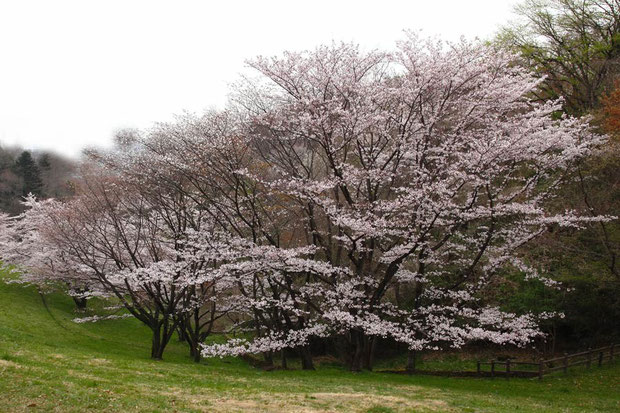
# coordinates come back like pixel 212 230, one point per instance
pixel 411 361
pixel 358 342
pixel 283 358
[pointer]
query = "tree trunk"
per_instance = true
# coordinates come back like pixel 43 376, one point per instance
pixel 157 349
pixel 306 358
pixel 160 340
pixel 370 345
pixel 80 303
pixel 268 359
pixel 195 352
pixel 194 347
pixel 181 333
pixel 283 358
pixel 410 361
pixel 358 343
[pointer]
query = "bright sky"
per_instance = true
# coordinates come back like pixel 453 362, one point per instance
pixel 73 72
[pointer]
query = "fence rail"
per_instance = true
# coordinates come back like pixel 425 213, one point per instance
pixel 510 368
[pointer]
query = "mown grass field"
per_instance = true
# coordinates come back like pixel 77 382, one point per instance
pixel 49 363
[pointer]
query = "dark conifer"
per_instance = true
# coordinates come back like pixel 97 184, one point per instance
pixel 29 172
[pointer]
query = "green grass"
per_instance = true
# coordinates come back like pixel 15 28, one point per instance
pixel 48 363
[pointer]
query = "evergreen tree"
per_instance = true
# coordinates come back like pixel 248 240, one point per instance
pixel 28 170
pixel 10 184
pixel 44 162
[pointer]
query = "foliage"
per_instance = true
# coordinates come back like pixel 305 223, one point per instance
pixel 23 172
pixel 573 44
pixel 28 170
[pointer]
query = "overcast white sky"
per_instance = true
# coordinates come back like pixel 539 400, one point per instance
pixel 73 72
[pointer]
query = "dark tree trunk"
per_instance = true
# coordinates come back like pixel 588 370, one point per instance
pixel 160 339
pixel 194 351
pixel 182 333
pixel 191 337
pixel 306 358
pixel 357 340
pixel 80 303
pixel 411 361
pixel 370 345
pixel 157 349
pixel 268 359
pixel 283 358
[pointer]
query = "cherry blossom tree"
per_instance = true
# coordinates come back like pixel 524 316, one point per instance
pixel 422 170
pixel 6 236
pixel 36 262
pixel 144 248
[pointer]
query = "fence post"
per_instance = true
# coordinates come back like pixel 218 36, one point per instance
pixel 600 358
pixel 565 361
pixel 589 359
pixel 507 369
pixel 478 367
pixel 492 368
pixel 540 369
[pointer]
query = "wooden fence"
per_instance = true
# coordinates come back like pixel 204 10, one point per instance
pixel 510 368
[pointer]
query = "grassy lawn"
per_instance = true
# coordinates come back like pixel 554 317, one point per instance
pixel 49 363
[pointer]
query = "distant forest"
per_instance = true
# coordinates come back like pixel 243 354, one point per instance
pixel 44 174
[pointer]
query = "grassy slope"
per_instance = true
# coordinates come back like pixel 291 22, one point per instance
pixel 48 363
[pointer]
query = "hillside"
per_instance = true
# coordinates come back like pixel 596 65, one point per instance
pixel 49 363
